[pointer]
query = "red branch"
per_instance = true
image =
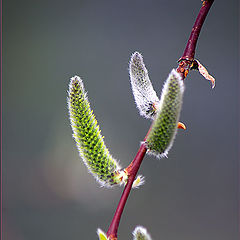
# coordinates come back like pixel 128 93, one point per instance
pixel 188 55
pixel 183 68
pixel 112 231
pixel 132 170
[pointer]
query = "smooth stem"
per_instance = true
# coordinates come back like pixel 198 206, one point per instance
pixel 189 51
pixel 188 55
pixel 112 231
pixel 184 63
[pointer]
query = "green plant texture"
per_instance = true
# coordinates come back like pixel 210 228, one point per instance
pixel 164 129
pixel 88 136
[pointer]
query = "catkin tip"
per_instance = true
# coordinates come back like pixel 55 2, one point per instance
pixel 101 235
pixel 140 233
pixel 75 79
pixel 136 57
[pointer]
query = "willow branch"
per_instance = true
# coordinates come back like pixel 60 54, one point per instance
pixel 112 231
pixel 183 68
pixel 188 55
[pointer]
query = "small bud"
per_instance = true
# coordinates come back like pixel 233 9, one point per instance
pixel 102 235
pixel 138 181
pixel 88 137
pixel 181 126
pixel 145 97
pixel 121 178
pixel 164 128
pixel 140 233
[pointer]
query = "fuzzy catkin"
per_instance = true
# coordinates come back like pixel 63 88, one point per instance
pixel 164 128
pixel 145 97
pixel 140 233
pixel 88 137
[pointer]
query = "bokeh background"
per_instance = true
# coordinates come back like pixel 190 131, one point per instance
pixel 47 191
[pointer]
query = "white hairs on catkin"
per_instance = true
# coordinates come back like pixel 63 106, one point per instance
pixel 140 233
pixel 145 97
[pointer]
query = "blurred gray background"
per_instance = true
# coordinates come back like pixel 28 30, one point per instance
pixel 47 191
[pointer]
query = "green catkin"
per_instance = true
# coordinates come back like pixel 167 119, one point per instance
pixel 140 233
pixel 164 128
pixel 88 137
